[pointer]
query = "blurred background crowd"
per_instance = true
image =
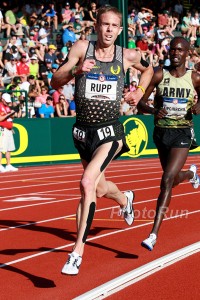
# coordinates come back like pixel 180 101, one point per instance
pixel 35 39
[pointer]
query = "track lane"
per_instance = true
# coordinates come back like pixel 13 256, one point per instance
pixel 116 253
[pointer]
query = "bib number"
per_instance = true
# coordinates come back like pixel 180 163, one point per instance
pixel 79 134
pixel 105 132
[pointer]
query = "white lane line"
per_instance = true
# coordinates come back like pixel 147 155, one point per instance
pixel 78 197
pixel 119 283
pixel 91 239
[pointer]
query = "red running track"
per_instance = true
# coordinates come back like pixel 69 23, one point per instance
pixel 38 230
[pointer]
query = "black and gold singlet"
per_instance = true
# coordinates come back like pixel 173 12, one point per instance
pixel 98 93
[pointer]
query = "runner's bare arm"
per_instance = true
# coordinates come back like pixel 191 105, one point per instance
pixel 133 58
pixel 75 58
pixel 142 105
pixel 196 83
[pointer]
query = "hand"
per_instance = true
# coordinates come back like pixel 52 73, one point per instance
pixel 88 64
pixel 133 97
pixel 161 113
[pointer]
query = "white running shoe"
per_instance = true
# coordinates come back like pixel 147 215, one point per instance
pixel 2 169
pixel 10 168
pixel 195 181
pixel 150 242
pixel 128 210
pixel 72 265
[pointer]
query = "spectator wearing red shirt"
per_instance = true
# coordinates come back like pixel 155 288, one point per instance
pixel 143 45
pixel 163 19
pixel 56 95
pixel 22 65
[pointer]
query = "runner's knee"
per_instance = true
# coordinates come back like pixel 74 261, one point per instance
pixel 87 184
pixel 167 181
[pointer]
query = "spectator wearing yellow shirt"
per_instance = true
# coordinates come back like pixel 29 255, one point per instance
pixel 34 66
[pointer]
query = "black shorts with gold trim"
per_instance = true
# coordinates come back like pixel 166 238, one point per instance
pixel 87 138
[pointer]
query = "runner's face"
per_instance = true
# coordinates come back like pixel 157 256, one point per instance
pixel 178 53
pixel 108 28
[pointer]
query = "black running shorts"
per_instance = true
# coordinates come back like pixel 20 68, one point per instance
pixel 174 138
pixel 88 138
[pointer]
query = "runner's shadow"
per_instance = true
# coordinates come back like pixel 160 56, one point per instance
pixel 34 226
pixel 41 249
pixel 61 233
pixel 120 254
pixel 39 282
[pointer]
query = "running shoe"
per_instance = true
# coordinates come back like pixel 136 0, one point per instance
pixel 10 168
pixel 128 210
pixel 2 169
pixel 72 265
pixel 150 242
pixel 195 181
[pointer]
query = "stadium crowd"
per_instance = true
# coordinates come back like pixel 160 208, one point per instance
pixel 35 39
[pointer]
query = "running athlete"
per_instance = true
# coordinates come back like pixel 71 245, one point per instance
pixel 98 135
pixel 173 131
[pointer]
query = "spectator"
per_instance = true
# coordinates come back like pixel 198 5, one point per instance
pixel 56 94
pixel 58 42
pixel 44 69
pixel 145 16
pixel 47 110
pixel 72 108
pixel 43 96
pixel 33 92
pixel 50 74
pixel 146 53
pixel 186 26
pixel 1 82
pixel 44 33
pixel 68 33
pixel 93 14
pixel 78 10
pixel 10 17
pixel 133 86
pixel 68 91
pixel 78 27
pixel 66 14
pixel 34 66
pixel 195 25
pixel 16 81
pixel 51 54
pixel 22 65
pixel 51 15
pixel 10 70
pixel 65 50
pixel 178 9
pixel 7 141
pixel 24 85
pixel 24 46
pixel 3 26
pixel 61 108
pixel 35 30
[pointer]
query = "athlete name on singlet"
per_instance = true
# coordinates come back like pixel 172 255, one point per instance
pixel 101 87
pixel 176 107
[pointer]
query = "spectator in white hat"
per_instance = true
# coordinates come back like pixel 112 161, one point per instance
pixel 6 133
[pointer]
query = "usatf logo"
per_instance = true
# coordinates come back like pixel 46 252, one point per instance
pixel 136 136
pixel 102 78
pixel 175 101
pixel 166 81
pixel 115 71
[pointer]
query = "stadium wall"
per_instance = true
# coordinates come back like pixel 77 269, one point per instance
pixel 49 141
